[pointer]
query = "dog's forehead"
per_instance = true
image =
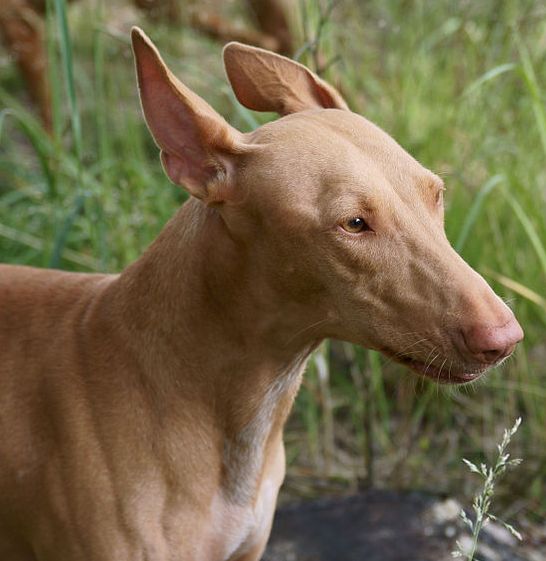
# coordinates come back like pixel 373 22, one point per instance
pixel 337 147
pixel 323 129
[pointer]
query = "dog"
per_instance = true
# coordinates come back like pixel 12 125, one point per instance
pixel 142 413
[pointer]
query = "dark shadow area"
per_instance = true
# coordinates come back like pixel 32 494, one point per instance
pixel 384 526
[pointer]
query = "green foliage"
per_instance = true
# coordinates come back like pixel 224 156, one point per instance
pixel 482 500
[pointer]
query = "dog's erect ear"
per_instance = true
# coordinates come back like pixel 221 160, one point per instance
pixel 265 81
pixel 198 147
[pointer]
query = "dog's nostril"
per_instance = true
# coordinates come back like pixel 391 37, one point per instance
pixel 491 344
pixel 493 355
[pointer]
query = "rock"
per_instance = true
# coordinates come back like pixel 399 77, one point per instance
pixel 499 534
pixel 386 526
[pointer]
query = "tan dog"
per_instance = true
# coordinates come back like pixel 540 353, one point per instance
pixel 141 414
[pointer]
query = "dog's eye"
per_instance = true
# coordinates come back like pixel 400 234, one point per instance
pixel 355 225
pixel 440 197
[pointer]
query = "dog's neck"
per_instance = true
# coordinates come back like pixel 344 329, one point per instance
pixel 193 299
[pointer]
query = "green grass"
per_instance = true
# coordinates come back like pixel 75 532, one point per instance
pixel 460 86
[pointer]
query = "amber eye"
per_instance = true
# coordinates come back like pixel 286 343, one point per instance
pixel 355 225
pixel 440 197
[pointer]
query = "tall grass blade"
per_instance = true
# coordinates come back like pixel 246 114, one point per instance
pixel 54 76
pixel 529 228
pixel 246 115
pixel 68 68
pixel 379 396
pixel 531 81
pixel 518 288
pixel 62 236
pixel 39 140
pixel 24 238
pixel 474 211
pixel 488 76
pixel 100 89
pixel 3 114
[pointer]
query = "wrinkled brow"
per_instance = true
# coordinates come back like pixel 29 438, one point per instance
pixel 431 184
pixel 437 183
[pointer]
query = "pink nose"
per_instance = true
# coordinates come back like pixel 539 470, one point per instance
pixel 491 344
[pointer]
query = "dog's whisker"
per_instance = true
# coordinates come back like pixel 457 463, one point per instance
pixel 440 373
pixel 403 351
pixel 306 329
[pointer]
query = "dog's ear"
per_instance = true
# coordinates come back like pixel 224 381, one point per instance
pixel 198 147
pixel 265 81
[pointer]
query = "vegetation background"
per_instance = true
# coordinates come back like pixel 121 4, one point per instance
pixel 461 85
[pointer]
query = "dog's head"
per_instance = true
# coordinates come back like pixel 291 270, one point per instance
pixel 335 215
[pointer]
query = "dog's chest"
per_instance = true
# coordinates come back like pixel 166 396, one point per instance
pixel 239 529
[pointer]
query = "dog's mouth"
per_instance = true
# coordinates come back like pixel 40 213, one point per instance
pixel 446 373
pixel 443 374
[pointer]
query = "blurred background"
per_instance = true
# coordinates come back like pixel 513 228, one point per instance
pixel 461 85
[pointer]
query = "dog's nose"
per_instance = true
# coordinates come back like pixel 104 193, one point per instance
pixel 490 344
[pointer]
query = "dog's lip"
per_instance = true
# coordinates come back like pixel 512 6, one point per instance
pixel 441 375
pixel 444 375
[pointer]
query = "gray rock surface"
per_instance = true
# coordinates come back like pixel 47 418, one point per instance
pixel 385 526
